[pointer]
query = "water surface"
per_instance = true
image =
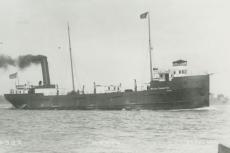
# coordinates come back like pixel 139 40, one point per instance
pixel 58 131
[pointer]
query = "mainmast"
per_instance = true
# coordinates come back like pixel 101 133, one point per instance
pixel 71 60
pixel 150 50
pixel 143 16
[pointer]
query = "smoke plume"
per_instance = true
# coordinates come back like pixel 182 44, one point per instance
pixel 6 61
pixel 21 62
pixel 26 60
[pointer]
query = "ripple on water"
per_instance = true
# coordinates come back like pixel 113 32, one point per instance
pixel 176 131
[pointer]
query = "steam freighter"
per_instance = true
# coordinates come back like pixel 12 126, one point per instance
pixel 171 89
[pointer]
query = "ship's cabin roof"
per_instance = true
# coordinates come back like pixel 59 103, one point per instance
pixel 180 63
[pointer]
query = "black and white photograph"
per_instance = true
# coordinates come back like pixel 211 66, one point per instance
pixel 114 76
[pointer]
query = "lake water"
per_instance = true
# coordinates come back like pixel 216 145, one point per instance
pixel 177 131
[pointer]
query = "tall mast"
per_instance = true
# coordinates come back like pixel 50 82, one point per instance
pixel 71 60
pixel 150 50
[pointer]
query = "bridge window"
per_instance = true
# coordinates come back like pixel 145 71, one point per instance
pixel 184 71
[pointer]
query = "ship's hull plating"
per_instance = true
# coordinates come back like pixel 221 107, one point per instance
pixel 153 100
pixel 193 94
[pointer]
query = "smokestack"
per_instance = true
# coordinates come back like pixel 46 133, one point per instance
pixel 45 71
pixel 25 61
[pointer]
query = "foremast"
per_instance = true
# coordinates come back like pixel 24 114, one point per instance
pixel 71 59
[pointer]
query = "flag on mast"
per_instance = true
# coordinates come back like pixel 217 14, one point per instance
pixel 13 76
pixel 144 15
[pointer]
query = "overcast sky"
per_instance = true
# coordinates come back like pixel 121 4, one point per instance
pixel 110 42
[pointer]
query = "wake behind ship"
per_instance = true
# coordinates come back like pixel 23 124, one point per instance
pixel 170 89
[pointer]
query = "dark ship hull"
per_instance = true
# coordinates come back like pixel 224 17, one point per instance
pixel 179 93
